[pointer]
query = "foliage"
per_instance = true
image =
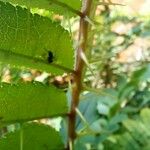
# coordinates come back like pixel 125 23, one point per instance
pixel 132 136
pixel 40 135
pixel 27 35
pixel 16 106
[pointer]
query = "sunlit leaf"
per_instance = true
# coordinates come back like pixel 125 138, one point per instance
pixel 50 5
pixel 32 37
pixel 23 102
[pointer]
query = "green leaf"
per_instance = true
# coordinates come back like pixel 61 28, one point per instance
pixel 93 105
pixel 135 134
pixel 138 76
pixel 23 102
pixel 22 61
pixel 139 127
pixel 49 5
pixel 75 4
pixel 32 136
pixel 31 37
pixel 118 118
pixel 121 142
pixel 141 75
pixel 145 115
pixel 87 107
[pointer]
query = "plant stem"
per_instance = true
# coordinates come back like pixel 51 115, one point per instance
pixel 79 66
pixel 67 7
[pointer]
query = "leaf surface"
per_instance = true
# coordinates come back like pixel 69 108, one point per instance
pixel 32 37
pixel 49 5
pixel 23 102
pixel 32 136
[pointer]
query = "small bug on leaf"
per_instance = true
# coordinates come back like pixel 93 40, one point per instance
pixel 50 57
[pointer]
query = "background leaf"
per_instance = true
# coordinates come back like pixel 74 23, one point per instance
pixel 135 135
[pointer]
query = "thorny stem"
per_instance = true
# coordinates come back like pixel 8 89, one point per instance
pixel 79 66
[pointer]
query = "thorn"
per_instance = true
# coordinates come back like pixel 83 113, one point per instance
pixel 70 145
pixel 81 116
pixel 89 21
pixel 106 3
pixel 84 58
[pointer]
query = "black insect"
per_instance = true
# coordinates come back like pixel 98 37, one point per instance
pixel 50 57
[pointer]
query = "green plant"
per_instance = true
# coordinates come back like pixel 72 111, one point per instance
pixel 30 38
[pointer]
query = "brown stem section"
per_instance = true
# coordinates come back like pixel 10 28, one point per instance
pixel 79 66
